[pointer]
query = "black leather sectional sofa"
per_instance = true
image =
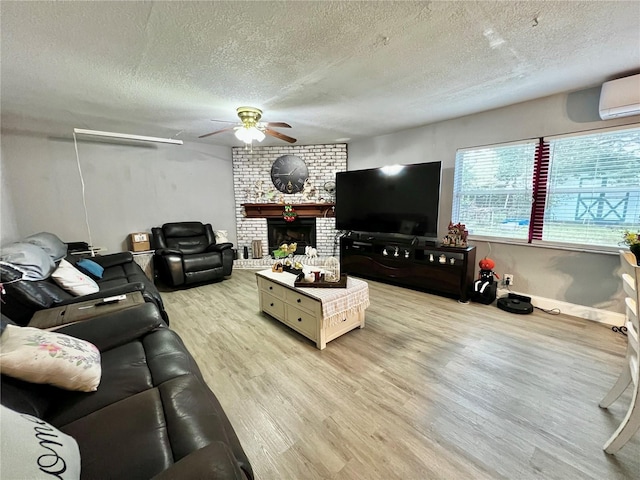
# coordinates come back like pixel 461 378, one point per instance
pixel 121 275
pixel 153 415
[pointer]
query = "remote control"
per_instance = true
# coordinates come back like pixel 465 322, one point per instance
pixel 109 300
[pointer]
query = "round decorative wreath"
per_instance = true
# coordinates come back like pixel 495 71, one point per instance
pixel 289 214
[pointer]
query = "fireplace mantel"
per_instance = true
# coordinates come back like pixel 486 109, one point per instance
pixel 273 210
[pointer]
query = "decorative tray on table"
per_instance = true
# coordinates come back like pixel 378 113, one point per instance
pixel 295 271
pixel 342 283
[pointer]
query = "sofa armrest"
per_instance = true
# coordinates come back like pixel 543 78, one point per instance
pixel 105 292
pixel 214 462
pixel 170 265
pixel 113 259
pixel 219 247
pixel 109 331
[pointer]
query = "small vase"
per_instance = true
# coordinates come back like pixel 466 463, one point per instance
pixel 635 249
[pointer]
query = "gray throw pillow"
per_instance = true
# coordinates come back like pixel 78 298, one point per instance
pixel 32 261
pixel 50 243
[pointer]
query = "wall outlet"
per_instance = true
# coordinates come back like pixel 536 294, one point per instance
pixel 508 280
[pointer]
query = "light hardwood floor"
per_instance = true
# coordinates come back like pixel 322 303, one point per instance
pixel 429 389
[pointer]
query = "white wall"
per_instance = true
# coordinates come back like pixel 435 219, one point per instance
pixel 129 187
pixel 8 224
pixel 585 279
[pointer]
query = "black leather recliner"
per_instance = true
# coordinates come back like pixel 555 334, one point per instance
pixel 187 253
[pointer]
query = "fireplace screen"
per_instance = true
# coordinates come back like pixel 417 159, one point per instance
pixel 301 231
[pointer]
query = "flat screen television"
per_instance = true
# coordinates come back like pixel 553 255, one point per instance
pixel 399 199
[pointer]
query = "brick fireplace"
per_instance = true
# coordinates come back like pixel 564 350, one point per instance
pixel 252 185
pixel 302 232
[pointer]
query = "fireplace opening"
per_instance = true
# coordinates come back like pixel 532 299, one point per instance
pixel 301 231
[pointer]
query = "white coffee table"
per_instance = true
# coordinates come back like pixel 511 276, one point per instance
pixel 320 314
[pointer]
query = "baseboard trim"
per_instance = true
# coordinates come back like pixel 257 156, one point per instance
pixel 580 311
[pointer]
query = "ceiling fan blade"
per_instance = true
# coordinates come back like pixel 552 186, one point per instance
pixel 277 124
pixel 279 135
pixel 221 121
pixel 217 131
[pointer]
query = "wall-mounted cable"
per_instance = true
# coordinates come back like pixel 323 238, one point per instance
pixel 84 200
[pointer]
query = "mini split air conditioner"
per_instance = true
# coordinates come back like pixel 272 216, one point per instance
pixel 620 98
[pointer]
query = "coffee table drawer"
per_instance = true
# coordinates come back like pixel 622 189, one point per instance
pixel 271 288
pixel 298 300
pixel 272 305
pixel 302 321
pixel 348 322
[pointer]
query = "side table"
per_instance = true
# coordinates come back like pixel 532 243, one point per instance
pixel 76 312
pixel 145 260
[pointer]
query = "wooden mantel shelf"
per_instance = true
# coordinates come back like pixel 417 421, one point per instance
pixel 274 210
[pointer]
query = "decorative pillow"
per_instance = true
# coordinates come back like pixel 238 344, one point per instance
pixel 74 281
pixel 90 267
pixel 39 356
pixel 32 448
pixel 4 321
pixel 50 243
pixel 222 236
pixel 32 261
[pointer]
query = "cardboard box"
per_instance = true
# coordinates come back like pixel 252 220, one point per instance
pixel 139 242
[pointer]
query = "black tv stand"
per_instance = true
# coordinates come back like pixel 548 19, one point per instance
pixel 407 263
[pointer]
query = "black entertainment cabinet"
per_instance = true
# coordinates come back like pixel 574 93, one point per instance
pixel 410 263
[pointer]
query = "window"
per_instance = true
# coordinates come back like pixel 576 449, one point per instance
pixel 573 189
pixel 492 189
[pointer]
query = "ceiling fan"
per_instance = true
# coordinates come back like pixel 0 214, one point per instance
pixel 251 128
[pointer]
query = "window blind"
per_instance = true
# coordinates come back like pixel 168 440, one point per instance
pixel 577 190
pixel 592 188
pixel 493 187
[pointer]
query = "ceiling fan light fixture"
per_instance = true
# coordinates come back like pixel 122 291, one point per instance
pixel 251 128
pixel 258 135
pixel 243 134
pixel 248 135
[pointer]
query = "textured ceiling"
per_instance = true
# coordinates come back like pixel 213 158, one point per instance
pixel 333 70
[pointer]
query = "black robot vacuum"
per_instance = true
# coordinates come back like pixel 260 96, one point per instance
pixel 514 303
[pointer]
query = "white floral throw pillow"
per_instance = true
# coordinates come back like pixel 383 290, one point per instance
pixel 39 356
pixel 73 280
